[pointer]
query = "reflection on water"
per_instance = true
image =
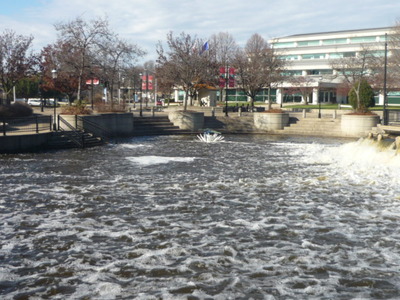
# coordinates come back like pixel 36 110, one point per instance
pixel 173 218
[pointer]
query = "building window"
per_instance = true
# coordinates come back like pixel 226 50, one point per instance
pixel 363 39
pixel 313 56
pixel 321 72
pixel 284 45
pixel 308 43
pixel 349 54
pixel 293 73
pixel 341 55
pixel 334 41
pixel 290 57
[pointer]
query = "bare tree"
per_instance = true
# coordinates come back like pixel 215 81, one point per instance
pixel 15 60
pixel 394 58
pixel 258 66
pixel 63 57
pixel 363 65
pixel 223 48
pixel 184 63
pixel 115 56
pixel 303 85
pixel 83 37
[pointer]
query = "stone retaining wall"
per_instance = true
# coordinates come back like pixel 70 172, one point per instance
pixel 189 120
pixel 24 143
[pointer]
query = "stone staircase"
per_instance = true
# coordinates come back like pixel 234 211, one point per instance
pixel 313 127
pixel 79 139
pixel 158 125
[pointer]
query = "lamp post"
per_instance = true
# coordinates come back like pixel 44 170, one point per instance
pixel 134 91
pixel 385 111
pixel 319 100
pixel 54 76
pixel 226 90
pixel 147 86
pixel 141 95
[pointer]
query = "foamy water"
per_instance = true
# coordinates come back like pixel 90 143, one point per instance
pixel 173 218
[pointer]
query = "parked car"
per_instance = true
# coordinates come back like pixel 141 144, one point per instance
pixel 34 102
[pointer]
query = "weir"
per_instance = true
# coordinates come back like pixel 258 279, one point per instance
pixel 385 142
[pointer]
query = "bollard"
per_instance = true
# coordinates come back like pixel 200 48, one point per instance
pixel 334 114
pixel 213 112
pixel 240 111
pixel 304 113
pixel 152 111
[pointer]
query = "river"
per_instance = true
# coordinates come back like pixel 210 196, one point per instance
pixel 170 217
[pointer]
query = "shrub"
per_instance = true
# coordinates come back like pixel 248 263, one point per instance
pixel 15 110
pixel 76 109
pixel 365 99
pixel 102 107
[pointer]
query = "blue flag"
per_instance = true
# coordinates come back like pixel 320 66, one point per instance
pixel 204 48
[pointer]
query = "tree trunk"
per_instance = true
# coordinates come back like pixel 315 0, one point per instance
pixel 269 99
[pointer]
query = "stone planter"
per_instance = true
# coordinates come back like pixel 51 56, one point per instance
pixel 188 120
pixel 358 125
pixel 271 121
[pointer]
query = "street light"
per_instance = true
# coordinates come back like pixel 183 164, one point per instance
pixel 54 76
pixel 226 90
pixel 319 99
pixel 134 91
pixel 141 95
pixel 385 111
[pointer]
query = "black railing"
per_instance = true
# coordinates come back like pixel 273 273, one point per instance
pixel 76 136
pixel 85 124
pixel 25 125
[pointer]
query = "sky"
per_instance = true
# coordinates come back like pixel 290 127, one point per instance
pixel 146 22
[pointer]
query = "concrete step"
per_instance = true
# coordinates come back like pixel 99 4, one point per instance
pixel 313 127
pixel 61 140
pixel 159 125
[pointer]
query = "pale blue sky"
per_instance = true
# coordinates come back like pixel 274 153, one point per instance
pixel 145 22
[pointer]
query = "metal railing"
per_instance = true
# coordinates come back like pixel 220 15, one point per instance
pixel 25 125
pixel 92 127
pixel 76 136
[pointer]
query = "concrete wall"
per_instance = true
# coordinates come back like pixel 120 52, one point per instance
pixel 24 143
pixel 189 120
pixel 118 124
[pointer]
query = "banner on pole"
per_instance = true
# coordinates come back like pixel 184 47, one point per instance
pixel 147 82
pixel 226 77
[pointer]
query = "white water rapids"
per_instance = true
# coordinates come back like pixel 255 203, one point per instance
pixel 251 217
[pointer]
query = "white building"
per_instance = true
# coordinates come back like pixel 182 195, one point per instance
pixel 310 55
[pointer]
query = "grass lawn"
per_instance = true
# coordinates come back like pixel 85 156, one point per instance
pixel 335 106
